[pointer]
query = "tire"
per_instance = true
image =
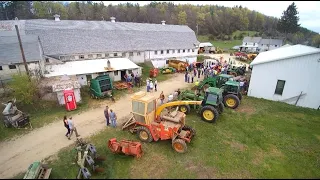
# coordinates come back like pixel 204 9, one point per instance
pixel 221 108
pixel 189 128
pixel 209 114
pixel 179 145
pixel 240 96
pixel 144 134
pixel 184 108
pixel 231 101
pixel 7 124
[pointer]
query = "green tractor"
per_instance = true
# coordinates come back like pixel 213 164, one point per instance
pixel 211 105
pixel 101 87
pixel 231 89
pixel 236 71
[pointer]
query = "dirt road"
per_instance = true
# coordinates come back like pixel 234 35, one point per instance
pixel 17 154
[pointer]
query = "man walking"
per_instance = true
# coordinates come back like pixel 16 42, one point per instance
pixel 113 118
pixel 155 85
pixel 72 128
pixel 161 97
pixel 106 115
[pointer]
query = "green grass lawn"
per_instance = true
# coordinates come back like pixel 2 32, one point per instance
pixel 226 44
pixel 261 139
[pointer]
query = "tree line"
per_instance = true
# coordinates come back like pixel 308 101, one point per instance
pixel 218 22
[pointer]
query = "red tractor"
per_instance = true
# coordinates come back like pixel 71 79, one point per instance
pixel 151 124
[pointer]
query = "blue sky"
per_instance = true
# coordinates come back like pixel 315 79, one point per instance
pixel 309 11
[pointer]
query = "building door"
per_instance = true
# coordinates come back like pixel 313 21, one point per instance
pixel 123 73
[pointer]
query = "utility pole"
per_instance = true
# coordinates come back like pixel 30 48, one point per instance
pixel 197 29
pixel 22 52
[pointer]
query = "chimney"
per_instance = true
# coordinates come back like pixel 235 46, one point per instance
pixel 113 19
pixel 163 22
pixel 56 17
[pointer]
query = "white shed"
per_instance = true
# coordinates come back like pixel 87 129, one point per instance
pixel 288 74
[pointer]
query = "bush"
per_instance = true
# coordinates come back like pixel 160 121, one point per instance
pixel 212 37
pixel 24 90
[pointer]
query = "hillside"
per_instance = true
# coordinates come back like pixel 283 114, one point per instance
pixel 218 22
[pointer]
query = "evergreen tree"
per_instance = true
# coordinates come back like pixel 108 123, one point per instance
pixel 288 23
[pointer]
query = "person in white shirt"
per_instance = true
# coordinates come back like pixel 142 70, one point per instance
pixel 241 85
pixel 170 97
pixel 72 128
pixel 148 85
pixel 151 86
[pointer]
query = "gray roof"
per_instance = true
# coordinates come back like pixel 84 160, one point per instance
pixel 271 41
pixel 252 39
pixel 72 37
pixel 10 49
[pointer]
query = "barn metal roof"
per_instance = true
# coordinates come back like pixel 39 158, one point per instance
pixel 10 49
pixel 89 66
pixel 70 36
pixel 284 53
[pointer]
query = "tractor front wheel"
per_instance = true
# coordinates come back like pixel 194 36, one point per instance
pixel 184 108
pixel 231 101
pixel 240 96
pixel 209 114
pixel 179 145
pixel 189 128
pixel 144 134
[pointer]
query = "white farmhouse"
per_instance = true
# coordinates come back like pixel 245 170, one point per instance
pixel 257 44
pixel 289 74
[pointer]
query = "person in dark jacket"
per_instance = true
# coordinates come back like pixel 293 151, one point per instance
pixel 65 122
pixel 106 115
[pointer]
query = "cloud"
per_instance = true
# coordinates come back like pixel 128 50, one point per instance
pixel 308 10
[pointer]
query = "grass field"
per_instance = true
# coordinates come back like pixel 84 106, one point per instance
pixel 226 44
pixel 261 139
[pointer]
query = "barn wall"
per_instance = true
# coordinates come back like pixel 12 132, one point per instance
pixel 300 74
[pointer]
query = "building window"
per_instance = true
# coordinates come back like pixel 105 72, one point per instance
pixel 115 73
pixel 280 87
pixel 123 54
pixel 275 45
pixel 106 55
pixel 173 51
pixel 261 44
pixel 81 56
pixel 47 60
pixel 138 53
pixel 72 57
pixel 90 56
pixel 0 68
pixel 129 71
pixel 168 51
pixel 184 51
pixel 188 50
pixel 192 50
pixel 99 55
pixel 12 67
pixel 161 51
pixel 178 50
pixel 130 53
pixel 155 52
pixel 115 54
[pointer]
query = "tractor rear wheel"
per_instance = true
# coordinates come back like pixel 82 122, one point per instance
pixel 184 108
pixel 179 145
pixel 220 108
pixel 144 134
pixel 231 101
pixel 6 123
pixel 209 114
pixel 189 128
